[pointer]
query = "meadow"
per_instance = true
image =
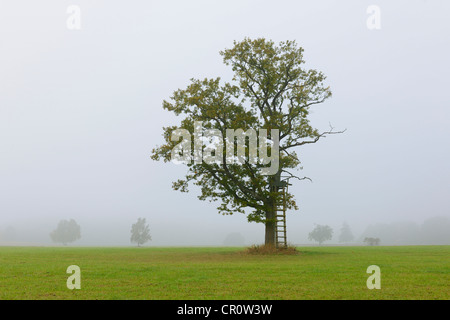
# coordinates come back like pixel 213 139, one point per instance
pixel 407 272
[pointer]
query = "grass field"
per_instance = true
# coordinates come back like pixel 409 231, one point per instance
pixel 407 272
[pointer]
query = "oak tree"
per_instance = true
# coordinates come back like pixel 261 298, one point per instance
pixel 270 89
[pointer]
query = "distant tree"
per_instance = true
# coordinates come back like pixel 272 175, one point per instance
pixel 234 239
pixel 66 232
pixel 321 234
pixel 372 241
pixel 346 234
pixel 140 232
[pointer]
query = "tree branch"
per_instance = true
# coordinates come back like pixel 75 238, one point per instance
pixel 323 134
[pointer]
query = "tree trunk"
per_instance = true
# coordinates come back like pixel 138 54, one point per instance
pixel 270 227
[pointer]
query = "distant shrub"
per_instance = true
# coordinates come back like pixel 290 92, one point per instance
pixel 372 241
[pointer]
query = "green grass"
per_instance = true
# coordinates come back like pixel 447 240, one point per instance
pixel 407 272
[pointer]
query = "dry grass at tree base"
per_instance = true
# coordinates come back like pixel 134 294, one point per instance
pixel 271 250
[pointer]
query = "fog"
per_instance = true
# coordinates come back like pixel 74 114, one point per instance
pixel 81 110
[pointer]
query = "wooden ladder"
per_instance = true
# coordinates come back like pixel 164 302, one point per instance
pixel 280 216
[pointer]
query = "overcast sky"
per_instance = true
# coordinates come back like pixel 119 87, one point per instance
pixel 80 111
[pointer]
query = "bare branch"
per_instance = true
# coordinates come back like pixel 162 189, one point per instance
pixel 322 135
pixel 294 176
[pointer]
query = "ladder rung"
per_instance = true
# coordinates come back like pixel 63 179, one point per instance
pixel 280 218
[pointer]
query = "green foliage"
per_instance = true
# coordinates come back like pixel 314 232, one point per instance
pixel 270 89
pixel 66 232
pixel 140 232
